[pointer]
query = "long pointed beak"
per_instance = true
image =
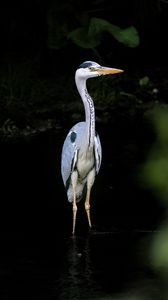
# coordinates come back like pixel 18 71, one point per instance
pixel 105 70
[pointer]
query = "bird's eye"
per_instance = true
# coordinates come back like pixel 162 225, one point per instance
pixel 91 68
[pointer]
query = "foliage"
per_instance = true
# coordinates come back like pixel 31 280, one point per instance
pixel 90 36
pixel 156 168
pixel 155 173
pixel 160 250
pixel 83 29
pixel 144 81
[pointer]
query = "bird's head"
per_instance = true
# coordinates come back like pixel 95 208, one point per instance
pixel 90 69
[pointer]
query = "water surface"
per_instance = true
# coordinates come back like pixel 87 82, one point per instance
pixel 39 259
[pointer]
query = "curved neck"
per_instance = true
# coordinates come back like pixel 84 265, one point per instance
pixel 89 110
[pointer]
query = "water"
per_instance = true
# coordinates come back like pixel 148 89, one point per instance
pixel 98 266
pixel 39 259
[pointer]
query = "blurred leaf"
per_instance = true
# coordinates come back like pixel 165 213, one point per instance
pixel 81 38
pixel 97 26
pixel 160 250
pixel 156 173
pixel 156 167
pixel 144 81
pixel 91 36
pixel 161 125
pixel 128 36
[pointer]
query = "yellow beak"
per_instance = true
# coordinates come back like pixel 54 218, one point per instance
pixel 104 71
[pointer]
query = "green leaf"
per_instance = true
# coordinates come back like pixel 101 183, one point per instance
pixel 81 38
pixel 98 26
pixel 128 36
pixel 144 81
pixel 90 36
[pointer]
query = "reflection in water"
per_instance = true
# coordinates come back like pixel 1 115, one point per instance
pixel 105 267
pixel 76 280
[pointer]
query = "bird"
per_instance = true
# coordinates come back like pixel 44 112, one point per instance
pixel 82 152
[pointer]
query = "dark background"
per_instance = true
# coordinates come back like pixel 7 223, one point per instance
pixel 38 105
pixel 32 194
pixel 24 31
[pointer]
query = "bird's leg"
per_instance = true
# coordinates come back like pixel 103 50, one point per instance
pixel 87 206
pixel 90 181
pixel 74 206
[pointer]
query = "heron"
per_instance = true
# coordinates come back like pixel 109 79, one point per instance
pixel 82 152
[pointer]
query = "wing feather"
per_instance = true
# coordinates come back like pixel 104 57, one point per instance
pixel 68 158
pixel 98 153
pixel 70 150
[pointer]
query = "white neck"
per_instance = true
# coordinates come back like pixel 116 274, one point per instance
pixel 89 111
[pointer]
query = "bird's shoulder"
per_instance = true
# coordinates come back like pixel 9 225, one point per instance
pixel 75 133
pixel 77 128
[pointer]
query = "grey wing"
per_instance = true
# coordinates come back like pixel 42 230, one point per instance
pixel 98 153
pixel 68 157
pixel 70 151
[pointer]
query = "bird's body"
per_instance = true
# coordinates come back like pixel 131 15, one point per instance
pixel 82 153
pixel 76 156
